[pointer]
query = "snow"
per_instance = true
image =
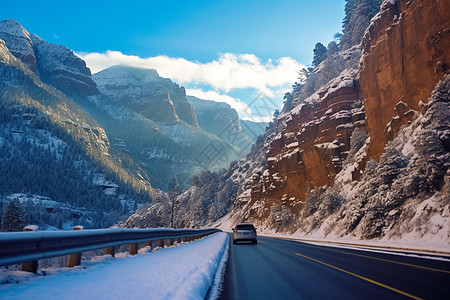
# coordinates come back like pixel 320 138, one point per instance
pixel 399 247
pixel 185 271
pixel 225 223
pixel 331 145
pixel 345 126
pixel 296 110
pixel 11 27
pixel 99 179
pixel 31 228
pixel 218 278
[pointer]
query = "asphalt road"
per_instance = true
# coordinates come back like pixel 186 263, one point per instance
pixel 281 269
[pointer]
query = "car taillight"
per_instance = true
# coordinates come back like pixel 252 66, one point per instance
pixel 235 230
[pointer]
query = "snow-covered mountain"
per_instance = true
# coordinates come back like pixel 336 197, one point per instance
pixel 54 64
pixel 52 150
pixel 222 120
pixel 145 92
pixel 151 119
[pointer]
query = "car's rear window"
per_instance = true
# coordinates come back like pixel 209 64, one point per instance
pixel 245 227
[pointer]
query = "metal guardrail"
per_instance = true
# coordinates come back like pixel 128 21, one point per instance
pixel 19 247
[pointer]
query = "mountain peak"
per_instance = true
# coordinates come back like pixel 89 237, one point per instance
pixel 122 71
pixel 13 27
pixel 19 42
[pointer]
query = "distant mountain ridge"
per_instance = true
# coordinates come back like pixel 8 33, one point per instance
pixel 222 120
pixel 174 146
pixel 52 149
pixel 145 92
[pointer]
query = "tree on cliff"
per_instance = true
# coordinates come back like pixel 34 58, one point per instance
pixel 320 53
pixel 348 11
pixel 332 48
pixel 358 14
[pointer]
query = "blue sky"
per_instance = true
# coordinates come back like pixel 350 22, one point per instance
pixel 201 32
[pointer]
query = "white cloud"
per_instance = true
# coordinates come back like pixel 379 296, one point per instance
pixel 237 104
pixel 230 71
pixel 242 108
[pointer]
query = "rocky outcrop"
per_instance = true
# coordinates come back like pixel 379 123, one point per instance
pixel 312 142
pixel 406 51
pixel 19 43
pixel 55 64
pixel 60 67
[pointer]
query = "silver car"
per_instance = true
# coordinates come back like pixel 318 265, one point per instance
pixel 244 232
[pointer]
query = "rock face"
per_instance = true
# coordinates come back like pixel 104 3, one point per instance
pixel 19 43
pixel 144 91
pixel 55 64
pixel 311 143
pixel 222 120
pixel 406 51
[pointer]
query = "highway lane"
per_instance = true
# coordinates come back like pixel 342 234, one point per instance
pixel 281 269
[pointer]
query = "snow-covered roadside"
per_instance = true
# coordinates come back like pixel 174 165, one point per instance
pixel 409 242
pixel 216 288
pixel 186 271
pixel 373 245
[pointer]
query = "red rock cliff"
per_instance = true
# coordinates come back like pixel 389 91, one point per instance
pixel 406 51
pixel 312 141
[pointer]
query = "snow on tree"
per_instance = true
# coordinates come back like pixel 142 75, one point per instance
pixel 358 14
pixel 320 53
pixel 357 140
pixel 11 220
pixel 412 172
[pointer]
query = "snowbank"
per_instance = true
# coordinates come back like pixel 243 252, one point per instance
pixel 403 245
pixel 186 271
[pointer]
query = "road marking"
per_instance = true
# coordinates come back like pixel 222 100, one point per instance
pixel 362 277
pixel 391 261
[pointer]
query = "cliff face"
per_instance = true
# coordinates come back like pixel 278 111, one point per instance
pixel 406 51
pixel 220 119
pixel 56 65
pixel 312 142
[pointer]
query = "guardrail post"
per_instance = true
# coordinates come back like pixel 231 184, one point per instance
pixel 29 266
pixel 74 259
pixel 133 249
pixel 111 251
pixel 170 242
pixel 161 243
pixel 149 244
pixel 178 240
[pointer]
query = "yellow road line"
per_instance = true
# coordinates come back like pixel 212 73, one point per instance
pixel 362 277
pixel 391 261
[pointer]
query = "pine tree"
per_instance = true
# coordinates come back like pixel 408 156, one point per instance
pixel 320 53
pixel 11 220
pixel 348 11
pixel 358 14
